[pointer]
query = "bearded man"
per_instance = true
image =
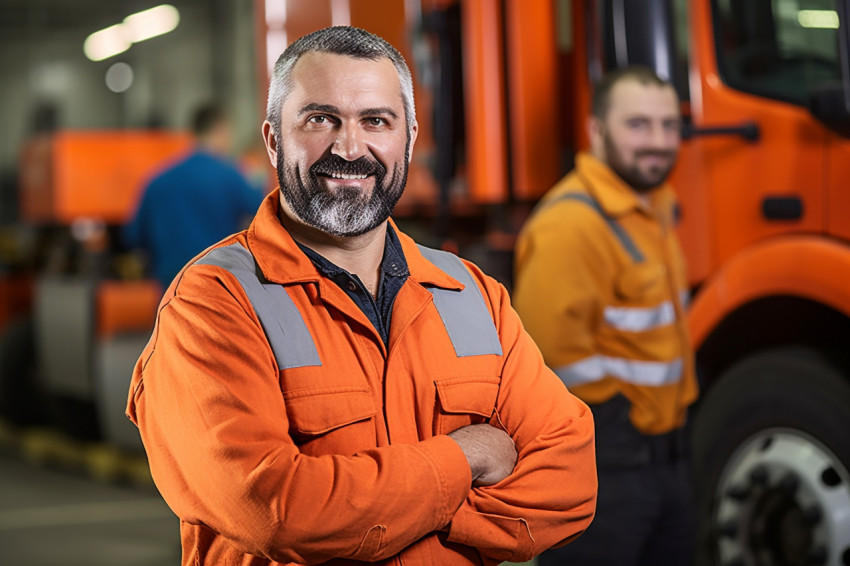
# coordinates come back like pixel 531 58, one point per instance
pixel 320 389
pixel 601 287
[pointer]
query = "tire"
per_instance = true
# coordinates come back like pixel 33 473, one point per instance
pixel 771 454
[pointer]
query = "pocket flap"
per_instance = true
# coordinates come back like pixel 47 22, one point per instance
pixel 641 280
pixel 320 412
pixel 468 395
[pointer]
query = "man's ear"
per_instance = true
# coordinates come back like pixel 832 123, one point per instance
pixel 271 142
pixel 414 131
pixel 596 135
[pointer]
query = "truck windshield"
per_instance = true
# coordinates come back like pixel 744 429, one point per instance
pixel 780 49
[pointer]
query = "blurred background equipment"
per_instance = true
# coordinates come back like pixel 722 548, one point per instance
pixel 502 87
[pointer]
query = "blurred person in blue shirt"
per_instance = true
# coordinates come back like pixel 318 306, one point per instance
pixel 193 203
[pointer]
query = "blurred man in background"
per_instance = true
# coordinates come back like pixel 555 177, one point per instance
pixel 601 287
pixel 195 202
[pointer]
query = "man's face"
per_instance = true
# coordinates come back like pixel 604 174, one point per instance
pixel 343 148
pixel 640 135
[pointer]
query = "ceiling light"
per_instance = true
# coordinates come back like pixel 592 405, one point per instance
pixel 818 19
pixel 135 28
pixel 106 43
pixel 151 23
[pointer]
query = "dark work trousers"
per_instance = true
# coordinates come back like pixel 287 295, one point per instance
pixel 644 511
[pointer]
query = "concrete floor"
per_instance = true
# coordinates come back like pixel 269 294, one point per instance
pixel 63 504
pixel 53 517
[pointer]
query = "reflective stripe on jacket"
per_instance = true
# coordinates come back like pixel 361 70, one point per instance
pixel 282 430
pixel 464 313
pixel 601 287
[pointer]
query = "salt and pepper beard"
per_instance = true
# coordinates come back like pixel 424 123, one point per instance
pixel 345 211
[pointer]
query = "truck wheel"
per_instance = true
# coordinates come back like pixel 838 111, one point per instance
pixel 771 453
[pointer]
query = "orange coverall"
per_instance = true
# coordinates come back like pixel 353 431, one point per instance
pixel 349 460
pixel 606 320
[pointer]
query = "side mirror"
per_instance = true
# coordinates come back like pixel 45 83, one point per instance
pixel 827 104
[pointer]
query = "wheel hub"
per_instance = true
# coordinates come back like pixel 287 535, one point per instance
pixel 783 500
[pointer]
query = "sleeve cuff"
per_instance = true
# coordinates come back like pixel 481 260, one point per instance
pixel 452 473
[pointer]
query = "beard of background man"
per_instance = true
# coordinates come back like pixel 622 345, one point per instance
pixel 631 173
pixel 344 212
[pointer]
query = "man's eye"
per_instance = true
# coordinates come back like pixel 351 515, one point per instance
pixel 377 121
pixel 318 119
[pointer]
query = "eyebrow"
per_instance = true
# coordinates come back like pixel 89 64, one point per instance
pixel 331 109
pixel 384 110
pixel 316 107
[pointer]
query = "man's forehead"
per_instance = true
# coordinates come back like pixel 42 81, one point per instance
pixel 632 96
pixel 319 66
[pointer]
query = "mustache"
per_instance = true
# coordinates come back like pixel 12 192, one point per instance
pixel 655 153
pixel 335 164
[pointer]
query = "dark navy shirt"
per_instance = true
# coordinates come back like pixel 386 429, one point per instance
pixel 394 273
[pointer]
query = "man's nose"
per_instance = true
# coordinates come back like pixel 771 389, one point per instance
pixel 349 143
pixel 664 137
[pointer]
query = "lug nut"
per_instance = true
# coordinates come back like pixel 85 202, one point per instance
pixel 728 529
pixel 812 515
pixel 789 483
pixel 738 492
pixel 818 555
pixel 759 475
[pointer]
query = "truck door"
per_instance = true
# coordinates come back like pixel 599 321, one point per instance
pixel 756 63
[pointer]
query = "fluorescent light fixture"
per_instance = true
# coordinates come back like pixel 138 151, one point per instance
pixel 106 43
pixel 135 28
pixel 818 19
pixel 151 23
pixel 275 13
pixel 340 13
pixel 275 44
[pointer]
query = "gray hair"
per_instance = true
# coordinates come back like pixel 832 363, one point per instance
pixel 338 40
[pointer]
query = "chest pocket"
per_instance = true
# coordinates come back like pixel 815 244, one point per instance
pixel 463 401
pixel 643 283
pixel 338 420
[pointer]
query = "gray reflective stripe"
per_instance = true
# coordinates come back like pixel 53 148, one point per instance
pixel 639 319
pixel 464 313
pixel 637 372
pixel 635 319
pixel 284 326
pixel 625 240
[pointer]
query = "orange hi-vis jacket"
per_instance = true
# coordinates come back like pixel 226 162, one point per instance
pixel 281 430
pixel 600 285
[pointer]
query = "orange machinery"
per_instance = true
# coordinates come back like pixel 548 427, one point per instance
pixel 503 88
pixel 88 321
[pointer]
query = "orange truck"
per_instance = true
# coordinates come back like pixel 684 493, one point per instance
pixel 503 88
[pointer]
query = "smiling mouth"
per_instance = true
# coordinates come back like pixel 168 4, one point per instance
pixel 344 176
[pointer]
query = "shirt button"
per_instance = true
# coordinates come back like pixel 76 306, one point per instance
pixel 352 286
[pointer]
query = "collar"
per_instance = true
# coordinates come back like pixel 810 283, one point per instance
pixel 282 261
pixel 612 193
pixel 392 264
